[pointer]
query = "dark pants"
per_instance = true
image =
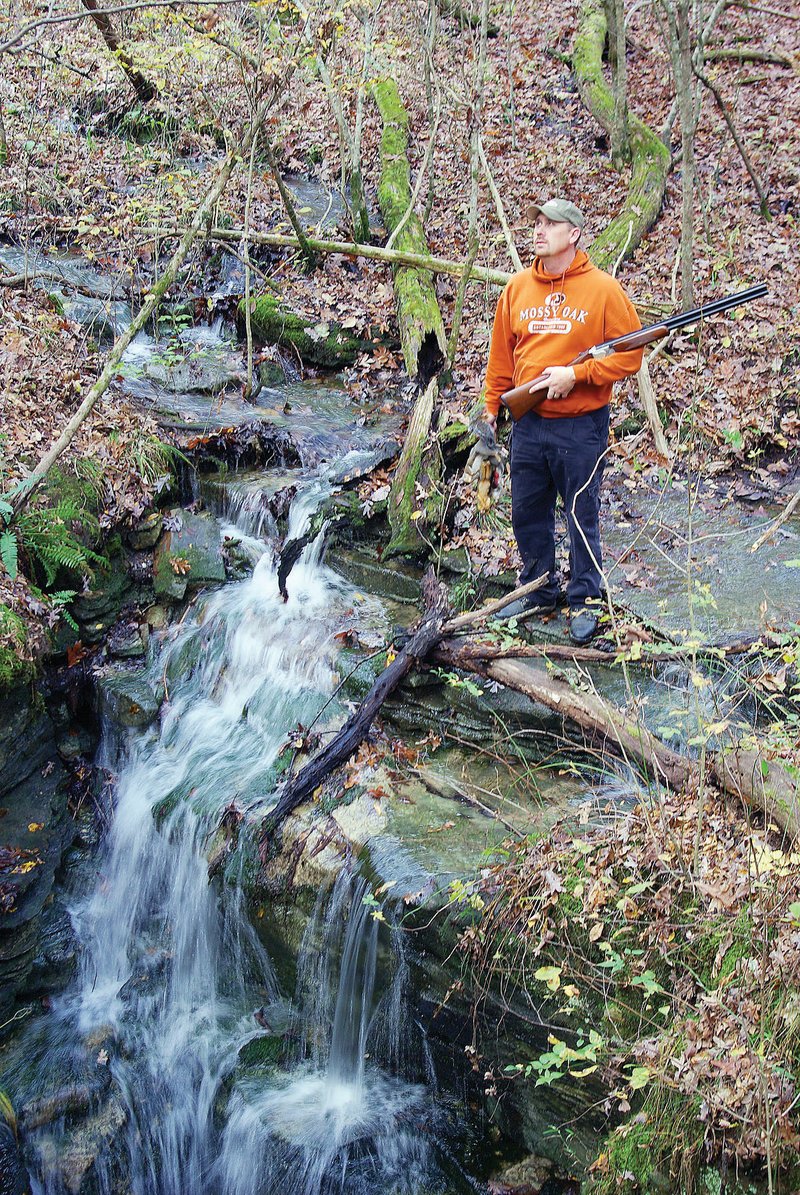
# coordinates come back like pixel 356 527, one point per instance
pixel 551 457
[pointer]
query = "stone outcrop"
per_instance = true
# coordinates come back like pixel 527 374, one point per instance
pixel 35 828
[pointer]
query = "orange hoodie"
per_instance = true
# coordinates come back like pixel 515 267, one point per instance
pixel 544 319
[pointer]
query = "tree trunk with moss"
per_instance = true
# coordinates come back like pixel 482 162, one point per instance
pixel 415 502
pixel 421 329
pixel 650 158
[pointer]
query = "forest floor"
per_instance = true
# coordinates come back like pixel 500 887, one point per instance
pixel 89 171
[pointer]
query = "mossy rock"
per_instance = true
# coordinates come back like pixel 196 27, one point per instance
pixel 188 556
pixel 324 344
pixel 14 667
pixel 262 1051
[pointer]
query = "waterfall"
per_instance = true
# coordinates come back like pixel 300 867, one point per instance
pixel 172 971
pixel 336 1120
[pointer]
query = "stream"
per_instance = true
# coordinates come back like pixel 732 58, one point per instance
pixel 199 1051
pixel 175 986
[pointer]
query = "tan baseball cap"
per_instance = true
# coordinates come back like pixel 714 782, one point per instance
pixel 559 210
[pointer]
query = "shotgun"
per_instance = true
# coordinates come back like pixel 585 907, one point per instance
pixel 528 397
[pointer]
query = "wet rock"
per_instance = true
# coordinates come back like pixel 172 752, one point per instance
pixel 57 950
pixel 144 534
pixel 400 582
pixel 203 374
pixel 76 741
pixel 271 373
pixel 127 641
pixel 35 830
pixel 67 1101
pixel 126 698
pixel 13 1175
pixel 98 608
pixel 188 555
pixel 101 319
pixel 72 1159
pixel 149 977
pixel 157 617
pixel 264 1050
pixel 527 1177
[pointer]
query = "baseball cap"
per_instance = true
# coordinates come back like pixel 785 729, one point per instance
pixel 560 210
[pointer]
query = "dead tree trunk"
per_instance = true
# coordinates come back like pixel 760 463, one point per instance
pixel 145 91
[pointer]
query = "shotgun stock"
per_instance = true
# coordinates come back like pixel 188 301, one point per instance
pixel 530 395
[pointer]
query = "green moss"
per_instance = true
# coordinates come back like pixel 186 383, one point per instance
pixel 266 1051
pixel 417 306
pixel 327 345
pixel 650 157
pixel 656 1150
pixel 14 668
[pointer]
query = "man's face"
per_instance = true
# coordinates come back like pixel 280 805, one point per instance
pixel 551 237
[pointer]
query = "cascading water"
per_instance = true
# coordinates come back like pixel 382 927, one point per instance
pixel 335 1120
pixel 172 970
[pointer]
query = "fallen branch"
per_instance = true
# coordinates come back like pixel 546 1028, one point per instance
pixel 786 513
pixel 726 116
pixel 276 240
pixel 356 728
pixel 54 276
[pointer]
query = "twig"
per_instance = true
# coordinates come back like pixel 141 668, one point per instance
pixel 773 12
pixel 737 140
pixel 474 617
pixel 498 203
pixel 786 513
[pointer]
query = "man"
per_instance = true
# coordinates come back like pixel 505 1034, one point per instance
pixel 546 316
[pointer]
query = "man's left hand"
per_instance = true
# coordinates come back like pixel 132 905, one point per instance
pixel 560 380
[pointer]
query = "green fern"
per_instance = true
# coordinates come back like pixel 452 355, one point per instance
pixel 60 601
pixel 52 539
pixel 9 553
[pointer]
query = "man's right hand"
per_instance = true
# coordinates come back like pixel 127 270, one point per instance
pixel 491 420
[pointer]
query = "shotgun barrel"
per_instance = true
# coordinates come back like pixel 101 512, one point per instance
pixel 531 394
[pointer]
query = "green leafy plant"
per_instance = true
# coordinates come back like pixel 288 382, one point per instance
pixel 52 543
pixel 9 553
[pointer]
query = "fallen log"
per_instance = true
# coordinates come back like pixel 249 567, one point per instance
pixel 280 240
pixel 743 771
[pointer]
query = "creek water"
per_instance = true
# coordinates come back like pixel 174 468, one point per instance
pixel 174 983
